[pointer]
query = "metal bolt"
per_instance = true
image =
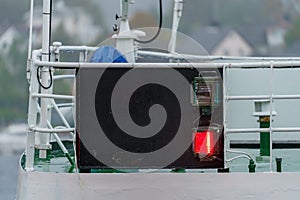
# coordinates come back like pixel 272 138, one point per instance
pixel 117 16
pixel 115 27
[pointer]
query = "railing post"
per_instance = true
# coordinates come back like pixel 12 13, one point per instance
pixel 271 113
pixel 32 119
pixel 225 101
pixel 29 164
pixel 45 73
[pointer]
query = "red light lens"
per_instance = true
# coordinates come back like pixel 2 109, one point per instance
pixel 203 143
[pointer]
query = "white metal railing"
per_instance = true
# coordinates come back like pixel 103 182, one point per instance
pixel 255 130
pixel 226 62
pixel 36 95
pixel 35 113
pixel 271 97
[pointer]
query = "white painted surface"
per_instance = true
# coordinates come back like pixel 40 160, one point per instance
pixel 47 186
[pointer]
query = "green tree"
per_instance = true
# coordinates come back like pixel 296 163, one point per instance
pixel 13 84
pixel 13 95
pixel 293 33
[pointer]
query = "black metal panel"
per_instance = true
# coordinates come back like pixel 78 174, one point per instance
pixel 98 129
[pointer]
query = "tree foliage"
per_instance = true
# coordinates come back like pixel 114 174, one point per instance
pixel 13 91
pixel 293 34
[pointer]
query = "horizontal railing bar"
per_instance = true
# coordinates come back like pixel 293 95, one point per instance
pixel 78 48
pixel 213 58
pixel 291 129
pixel 53 96
pixel 59 77
pixel 294 96
pixel 255 130
pixel 247 130
pixel 264 64
pixel 124 65
pixel 263 97
pixel 47 130
pixel 65 104
pixel 185 56
pixel 250 97
pixel 256 58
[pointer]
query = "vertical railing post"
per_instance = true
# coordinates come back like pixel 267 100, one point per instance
pixel 225 101
pixel 32 119
pixel 30 151
pixel 271 113
pixel 45 75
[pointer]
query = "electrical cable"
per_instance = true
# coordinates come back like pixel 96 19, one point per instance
pixel 38 78
pixel 49 53
pixel 159 27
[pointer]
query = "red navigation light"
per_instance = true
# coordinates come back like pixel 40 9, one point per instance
pixel 203 143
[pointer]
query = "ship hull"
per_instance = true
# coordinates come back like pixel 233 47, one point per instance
pixel 79 186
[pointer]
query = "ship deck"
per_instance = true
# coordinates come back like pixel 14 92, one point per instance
pixel 56 160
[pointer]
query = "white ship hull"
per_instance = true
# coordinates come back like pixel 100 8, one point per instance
pixel 75 186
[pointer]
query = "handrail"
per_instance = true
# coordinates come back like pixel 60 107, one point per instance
pixel 215 58
pixel 255 130
pixel 230 62
pixel 48 130
pixel 53 96
pixel 175 55
pixel 264 97
pixel 271 65
pixel 263 64
pixel 59 77
pixel 225 63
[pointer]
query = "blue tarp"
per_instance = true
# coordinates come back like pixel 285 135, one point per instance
pixel 107 54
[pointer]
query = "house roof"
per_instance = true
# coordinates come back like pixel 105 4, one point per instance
pixel 254 35
pixel 210 37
